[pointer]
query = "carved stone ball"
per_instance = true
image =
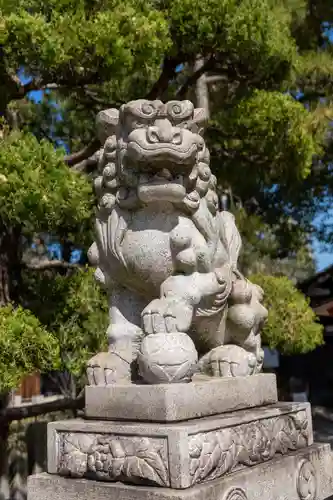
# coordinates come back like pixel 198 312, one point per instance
pixel 166 358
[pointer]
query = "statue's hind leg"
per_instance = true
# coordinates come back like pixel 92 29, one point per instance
pixel 124 338
pixel 242 354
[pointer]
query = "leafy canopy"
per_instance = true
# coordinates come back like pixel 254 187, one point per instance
pixel 267 132
pixel 292 326
pixel 38 192
pixel 74 309
pixel 79 41
pixel 25 346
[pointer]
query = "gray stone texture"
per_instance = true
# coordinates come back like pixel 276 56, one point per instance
pixel 166 255
pixel 301 475
pixel 175 402
pixel 177 455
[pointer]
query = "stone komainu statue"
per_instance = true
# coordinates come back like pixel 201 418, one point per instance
pixel 166 255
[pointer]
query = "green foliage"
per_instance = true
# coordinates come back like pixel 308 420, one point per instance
pixel 62 326
pixel 247 30
pixel 71 40
pixel 292 325
pixel 314 71
pixel 261 250
pixel 25 346
pixel 75 310
pixel 39 192
pixel 273 129
pixel 81 326
pixel 114 38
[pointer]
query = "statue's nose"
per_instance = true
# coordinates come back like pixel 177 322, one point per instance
pixel 163 131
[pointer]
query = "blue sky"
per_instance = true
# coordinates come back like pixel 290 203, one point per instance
pixel 323 259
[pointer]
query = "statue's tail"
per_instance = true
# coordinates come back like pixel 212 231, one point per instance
pixel 93 257
pixel 231 241
pixel 230 237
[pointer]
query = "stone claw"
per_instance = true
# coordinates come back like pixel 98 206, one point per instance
pixel 229 361
pixel 167 315
pixel 109 368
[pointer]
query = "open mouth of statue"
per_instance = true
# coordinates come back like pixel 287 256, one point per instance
pixel 158 152
pixel 161 186
pixel 164 175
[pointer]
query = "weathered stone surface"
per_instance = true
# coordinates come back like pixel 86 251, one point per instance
pixel 166 255
pixel 174 402
pixel 177 455
pixel 167 358
pixel 302 475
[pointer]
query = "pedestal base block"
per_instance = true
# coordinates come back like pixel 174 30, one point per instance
pixel 175 402
pixel 178 455
pixel 303 475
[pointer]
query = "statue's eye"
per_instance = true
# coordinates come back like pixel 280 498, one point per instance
pixel 147 109
pixel 180 111
pixel 176 109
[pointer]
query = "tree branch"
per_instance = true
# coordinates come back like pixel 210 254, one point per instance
pixel 315 22
pixel 168 73
pixel 34 84
pixel 310 96
pixel 51 264
pixel 191 80
pixel 39 83
pixel 90 94
pixel 215 79
pixel 93 96
pixel 56 380
pixel 86 166
pixel 20 90
pixel 83 154
pixel 34 410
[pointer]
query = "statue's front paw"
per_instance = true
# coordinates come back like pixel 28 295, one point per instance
pixel 228 361
pixel 167 315
pixel 109 368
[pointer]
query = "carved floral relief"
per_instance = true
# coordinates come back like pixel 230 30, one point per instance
pixel 113 458
pixel 216 453
pixel 145 460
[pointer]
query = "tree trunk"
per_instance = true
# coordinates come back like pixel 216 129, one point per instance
pixel 201 88
pixel 10 265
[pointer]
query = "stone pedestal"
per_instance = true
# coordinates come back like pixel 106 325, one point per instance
pixel 204 396
pixel 226 439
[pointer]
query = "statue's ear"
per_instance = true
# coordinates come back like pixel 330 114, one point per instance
pixel 106 123
pixel 199 120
